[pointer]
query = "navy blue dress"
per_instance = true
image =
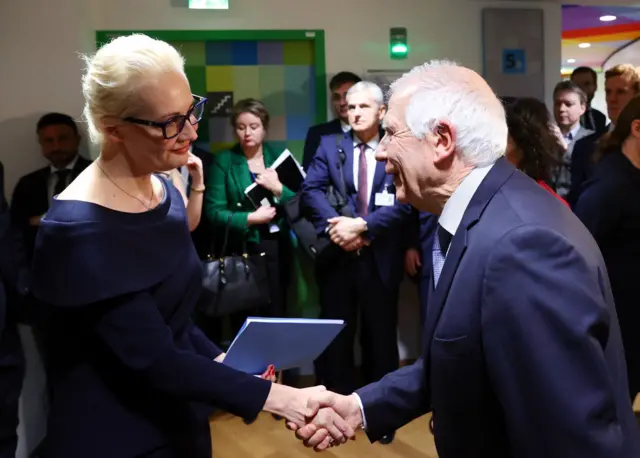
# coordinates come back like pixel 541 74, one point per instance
pixel 131 375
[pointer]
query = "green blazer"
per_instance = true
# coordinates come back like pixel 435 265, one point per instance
pixel 228 177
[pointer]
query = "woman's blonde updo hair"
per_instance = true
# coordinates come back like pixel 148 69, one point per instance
pixel 117 71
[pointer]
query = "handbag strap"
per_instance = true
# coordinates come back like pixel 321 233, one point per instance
pixel 226 236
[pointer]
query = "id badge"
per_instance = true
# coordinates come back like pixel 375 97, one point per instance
pixel 384 198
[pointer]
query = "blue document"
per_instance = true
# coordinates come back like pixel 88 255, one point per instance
pixel 284 342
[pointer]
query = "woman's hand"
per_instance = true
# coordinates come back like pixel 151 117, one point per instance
pixel 194 165
pixel 269 180
pixel 558 133
pixel 261 216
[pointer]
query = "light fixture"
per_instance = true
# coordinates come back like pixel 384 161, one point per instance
pixel 571 61
pixel 584 45
pixel 608 18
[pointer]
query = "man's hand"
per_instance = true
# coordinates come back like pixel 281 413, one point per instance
pixel 331 406
pixel 412 262
pixel 343 231
pixel 299 408
pixel 358 243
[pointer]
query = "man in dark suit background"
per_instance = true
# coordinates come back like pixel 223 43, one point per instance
pixel 59 141
pixel 622 83
pixel 362 281
pixel 523 355
pixel 338 86
pixel 13 288
pixel 587 79
pixel 569 104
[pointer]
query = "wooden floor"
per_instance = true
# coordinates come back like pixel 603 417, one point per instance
pixel 268 438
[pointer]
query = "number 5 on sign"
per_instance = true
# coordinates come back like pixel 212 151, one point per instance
pixel 514 61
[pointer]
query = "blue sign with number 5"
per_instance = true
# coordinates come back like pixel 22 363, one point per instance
pixel 514 61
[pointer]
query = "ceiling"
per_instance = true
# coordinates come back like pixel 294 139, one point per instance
pixel 582 24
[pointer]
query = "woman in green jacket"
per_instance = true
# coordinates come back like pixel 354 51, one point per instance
pixel 264 229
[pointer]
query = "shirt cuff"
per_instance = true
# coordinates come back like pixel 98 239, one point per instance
pixel 364 420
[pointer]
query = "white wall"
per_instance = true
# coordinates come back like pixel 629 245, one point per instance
pixel 599 102
pixel 43 70
pixel 628 55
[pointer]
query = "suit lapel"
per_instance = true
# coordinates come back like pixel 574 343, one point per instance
pixel 496 177
pixel 347 147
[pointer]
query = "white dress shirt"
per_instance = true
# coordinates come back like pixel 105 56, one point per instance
pixel 370 154
pixel 450 219
pixel 571 135
pixel 53 178
pixel 345 126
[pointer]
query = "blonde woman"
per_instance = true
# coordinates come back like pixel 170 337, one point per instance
pixel 118 278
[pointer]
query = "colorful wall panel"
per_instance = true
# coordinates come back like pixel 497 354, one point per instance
pixel 284 69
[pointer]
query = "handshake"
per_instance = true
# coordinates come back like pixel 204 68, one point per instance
pixel 320 418
pixel 347 232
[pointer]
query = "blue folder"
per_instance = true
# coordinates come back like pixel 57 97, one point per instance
pixel 284 342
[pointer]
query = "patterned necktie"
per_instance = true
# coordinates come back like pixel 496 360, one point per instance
pixel 441 243
pixel 363 185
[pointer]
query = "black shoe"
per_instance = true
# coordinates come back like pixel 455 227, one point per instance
pixel 388 438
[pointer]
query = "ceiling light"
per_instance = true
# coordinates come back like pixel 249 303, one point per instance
pixel 608 18
pixel 571 61
pixel 584 45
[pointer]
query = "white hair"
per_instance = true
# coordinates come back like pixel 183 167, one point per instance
pixel 373 88
pixel 117 71
pixel 439 93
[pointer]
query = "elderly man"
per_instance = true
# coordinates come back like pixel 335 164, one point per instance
pixel 522 356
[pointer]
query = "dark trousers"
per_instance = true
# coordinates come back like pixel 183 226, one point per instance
pixel 351 289
pixel 12 367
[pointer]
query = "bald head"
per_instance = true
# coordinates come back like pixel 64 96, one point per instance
pixel 443 91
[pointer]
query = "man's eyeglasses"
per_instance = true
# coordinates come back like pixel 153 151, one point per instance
pixel 171 128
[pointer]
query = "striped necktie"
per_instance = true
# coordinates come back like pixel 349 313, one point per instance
pixel 441 243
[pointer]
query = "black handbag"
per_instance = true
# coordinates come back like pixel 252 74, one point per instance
pixel 319 247
pixel 234 283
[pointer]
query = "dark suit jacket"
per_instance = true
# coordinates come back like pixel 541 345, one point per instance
pixel 31 198
pixel 523 356
pixel 608 208
pixel 594 120
pixel 384 223
pixel 14 284
pixel 314 135
pixel 582 163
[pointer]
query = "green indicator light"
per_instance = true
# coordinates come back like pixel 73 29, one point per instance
pixel 399 49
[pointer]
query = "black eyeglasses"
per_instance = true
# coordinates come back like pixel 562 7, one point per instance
pixel 171 128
